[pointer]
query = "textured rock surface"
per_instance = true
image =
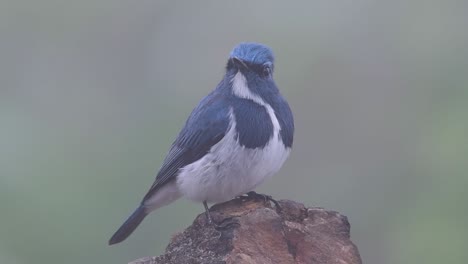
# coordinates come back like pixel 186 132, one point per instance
pixel 255 232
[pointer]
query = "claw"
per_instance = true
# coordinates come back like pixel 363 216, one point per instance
pixel 224 224
pixel 227 222
pixel 266 198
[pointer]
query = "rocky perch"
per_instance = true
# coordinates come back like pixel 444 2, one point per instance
pixel 254 231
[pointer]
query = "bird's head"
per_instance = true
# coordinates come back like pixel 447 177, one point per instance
pixel 252 58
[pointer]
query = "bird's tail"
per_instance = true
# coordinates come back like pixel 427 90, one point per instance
pixel 129 226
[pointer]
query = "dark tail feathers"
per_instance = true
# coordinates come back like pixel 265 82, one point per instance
pixel 129 226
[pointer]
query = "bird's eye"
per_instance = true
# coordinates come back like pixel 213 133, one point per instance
pixel 266 70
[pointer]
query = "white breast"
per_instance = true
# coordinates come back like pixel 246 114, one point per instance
pixel 229 169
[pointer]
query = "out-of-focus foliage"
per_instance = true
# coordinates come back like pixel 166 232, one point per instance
pixel 92 93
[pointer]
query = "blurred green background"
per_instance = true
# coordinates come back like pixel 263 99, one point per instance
pixel 92 93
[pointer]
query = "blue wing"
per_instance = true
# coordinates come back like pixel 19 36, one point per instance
pixel 206 126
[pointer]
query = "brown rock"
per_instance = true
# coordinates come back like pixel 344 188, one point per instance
pixel 253 231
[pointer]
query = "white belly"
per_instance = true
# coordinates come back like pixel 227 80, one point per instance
pixel 230 170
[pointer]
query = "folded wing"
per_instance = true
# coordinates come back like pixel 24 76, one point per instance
pixel 206 126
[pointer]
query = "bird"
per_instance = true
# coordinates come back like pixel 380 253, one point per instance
pixel 238 136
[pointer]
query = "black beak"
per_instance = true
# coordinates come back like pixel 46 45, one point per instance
pixel 239 62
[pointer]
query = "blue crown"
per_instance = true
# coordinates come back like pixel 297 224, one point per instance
pixel 254 53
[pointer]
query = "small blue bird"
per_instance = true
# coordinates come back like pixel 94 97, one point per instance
pixel 238 136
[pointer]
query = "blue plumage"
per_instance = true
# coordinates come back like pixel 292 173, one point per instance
pixel 268 91
pixel 238 135
pixel 205 127
pixel 253 131
pixel 253 53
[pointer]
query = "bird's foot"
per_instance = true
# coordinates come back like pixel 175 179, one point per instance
pixel 265 197
pixel 226 223
pixel 223 224
pixel 207 213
